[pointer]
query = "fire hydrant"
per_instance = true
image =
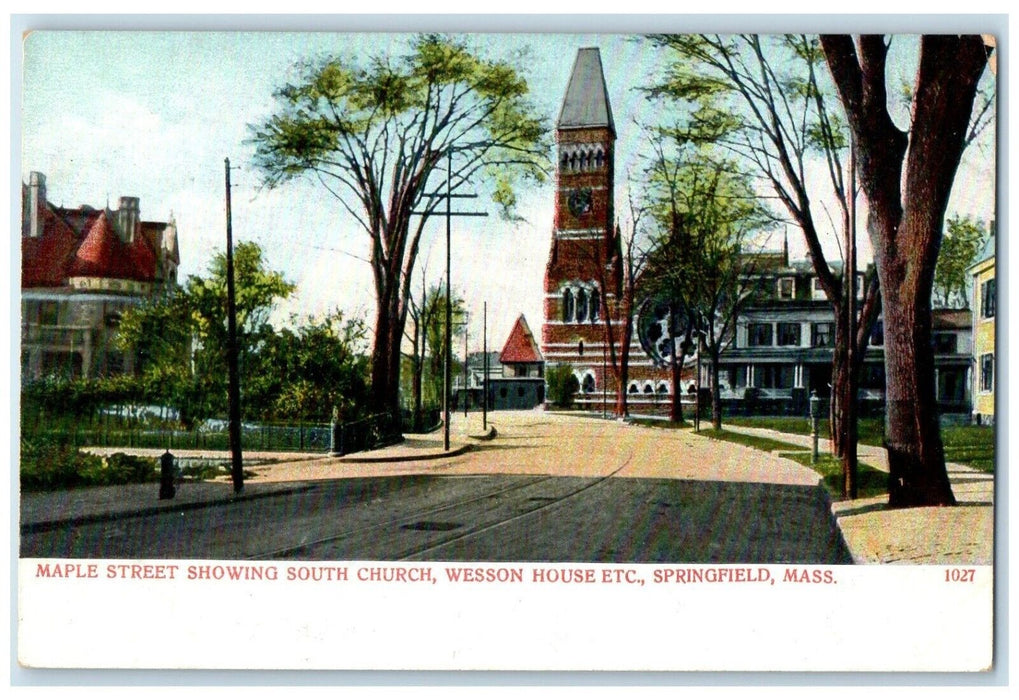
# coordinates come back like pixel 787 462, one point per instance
pixel 167 473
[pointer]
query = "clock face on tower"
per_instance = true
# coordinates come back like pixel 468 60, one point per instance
pixel 579 201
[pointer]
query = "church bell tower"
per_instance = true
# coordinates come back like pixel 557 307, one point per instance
pixel 585 255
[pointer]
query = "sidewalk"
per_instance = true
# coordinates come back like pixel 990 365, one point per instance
pixel 875 533
pixel 47 510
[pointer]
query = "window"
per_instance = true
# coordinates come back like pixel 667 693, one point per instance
pixel 987 299
pixel 788 334
pixel 663 389
pixel 48 313
pixel 822 335
pixel 945 343
pixel 818 290
pixel 581 306
pixel 786 288
pixel 595 303
pixel 877 334
pixel 580 348
pixel 633 388
pixel 987 372
pixel 588 384
pixel 774 376
pixel 758 334
pixel 568 306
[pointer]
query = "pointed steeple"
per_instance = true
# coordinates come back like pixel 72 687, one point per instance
pixel 586 103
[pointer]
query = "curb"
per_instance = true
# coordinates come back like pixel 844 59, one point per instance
pixel 453 452
pixel 46 525
pixel 488 435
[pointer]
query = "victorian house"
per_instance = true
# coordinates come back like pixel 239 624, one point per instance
pixel 784 341
pixel 81 269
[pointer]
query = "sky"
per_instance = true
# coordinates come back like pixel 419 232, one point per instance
pixel 154 114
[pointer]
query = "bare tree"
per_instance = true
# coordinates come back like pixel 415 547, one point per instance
pixel 778 119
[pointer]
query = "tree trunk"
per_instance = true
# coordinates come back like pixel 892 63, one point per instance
pixel 916 458
pixel 385 357
pixel 676 410
pixel 908 179
pixel 623 358
pixel 716 391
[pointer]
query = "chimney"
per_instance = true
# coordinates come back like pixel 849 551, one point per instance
pixel 127 218
pixel 36 203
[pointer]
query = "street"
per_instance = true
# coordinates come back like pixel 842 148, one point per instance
pixel 547 488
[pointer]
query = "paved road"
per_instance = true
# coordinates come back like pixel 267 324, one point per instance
pixel 549 488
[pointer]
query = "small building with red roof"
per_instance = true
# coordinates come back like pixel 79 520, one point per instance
pixel 520 356
pixel 515 376
pixel 81 268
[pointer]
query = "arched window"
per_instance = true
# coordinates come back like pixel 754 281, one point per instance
pixel 599 159
pixel 573 161
pixel 634 389
pixel 595 303
pixel 585 161
pixel 588 384
pixel 663 389
pixel 581 306
pixel 568 309
pixel 648 389
pixel 580 348
pixel 565 163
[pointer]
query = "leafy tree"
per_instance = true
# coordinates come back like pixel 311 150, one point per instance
pixel 315 367
pixel 959 247
pixel 181 337
pixel 562 385
pixel 434 336
pixel 907 176
pixel 707 215
pixel 386 138
pixel 425 312
pixel 764 99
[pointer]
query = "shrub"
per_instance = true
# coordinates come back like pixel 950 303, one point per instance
pixel 50 467
pixel 562 385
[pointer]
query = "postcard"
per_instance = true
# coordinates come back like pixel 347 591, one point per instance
pixel 516 351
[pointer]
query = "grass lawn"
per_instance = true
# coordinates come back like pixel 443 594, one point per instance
pixel 870 481
pixel 972 445
pixel 758 443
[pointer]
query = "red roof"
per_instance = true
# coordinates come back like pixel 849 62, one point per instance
pixel 520 346
pixel 103 254
pixel 83 243
pixel 44 259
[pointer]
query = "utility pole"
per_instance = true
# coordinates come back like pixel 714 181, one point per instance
pixel 467 317
pixel 233 391
pixel 484 367
pixel 449 196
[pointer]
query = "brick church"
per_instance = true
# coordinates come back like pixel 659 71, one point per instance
pixel 586 258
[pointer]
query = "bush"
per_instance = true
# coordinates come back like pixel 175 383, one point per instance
pixel 562 385
pixel 51 467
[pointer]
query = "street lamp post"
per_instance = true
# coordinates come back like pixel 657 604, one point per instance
pixel 466 332
pixel 815 412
